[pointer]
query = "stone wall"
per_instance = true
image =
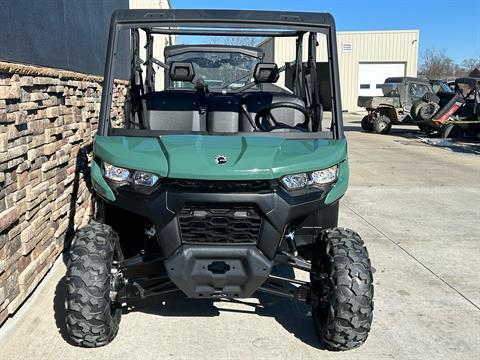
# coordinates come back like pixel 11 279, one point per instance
pixel 48 119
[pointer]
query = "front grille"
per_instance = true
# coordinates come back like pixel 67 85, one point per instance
pixel 219 223
pixel 223 185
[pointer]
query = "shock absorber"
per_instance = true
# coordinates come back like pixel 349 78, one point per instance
pixel 290 237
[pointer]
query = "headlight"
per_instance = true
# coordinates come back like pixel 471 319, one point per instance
pixel 115 173
pixel 119 174
pixel 144 178
pixel 303 180
pixel 326 176
pixel 295 181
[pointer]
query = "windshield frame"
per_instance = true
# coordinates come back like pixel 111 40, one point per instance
pixel 223 19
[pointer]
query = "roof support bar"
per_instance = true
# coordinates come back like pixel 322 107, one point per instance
pixel 225 32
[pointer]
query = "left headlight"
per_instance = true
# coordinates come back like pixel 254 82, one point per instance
pixel 115 173
pixel 303 180
pixel 119 174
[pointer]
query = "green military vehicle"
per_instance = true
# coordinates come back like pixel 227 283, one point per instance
pixel 220 176
pixel 407 101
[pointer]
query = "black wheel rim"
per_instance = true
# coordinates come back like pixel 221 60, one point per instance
pixel 427 111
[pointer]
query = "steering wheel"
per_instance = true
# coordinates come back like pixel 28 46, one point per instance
pixel 265 121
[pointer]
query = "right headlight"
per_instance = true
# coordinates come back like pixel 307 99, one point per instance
pixel 144 178
pixel 314 178
pixel 325 176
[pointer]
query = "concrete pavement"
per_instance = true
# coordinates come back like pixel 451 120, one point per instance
pixel 416 206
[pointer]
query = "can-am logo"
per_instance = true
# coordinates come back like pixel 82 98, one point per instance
pixel 221 159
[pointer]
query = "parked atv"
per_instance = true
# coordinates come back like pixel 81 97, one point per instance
pixel 213 181
pixel 466 122
pixel 406 101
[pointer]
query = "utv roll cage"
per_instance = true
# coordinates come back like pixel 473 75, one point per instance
pixel 306 83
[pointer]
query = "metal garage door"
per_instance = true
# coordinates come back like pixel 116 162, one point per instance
pixel 372 75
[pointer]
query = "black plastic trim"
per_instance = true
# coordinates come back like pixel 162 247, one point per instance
pixel 277 207
pixel 158 133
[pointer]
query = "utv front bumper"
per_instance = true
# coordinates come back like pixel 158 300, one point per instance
pixel 222 242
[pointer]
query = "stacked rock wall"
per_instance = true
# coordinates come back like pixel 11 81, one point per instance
pixel 48 118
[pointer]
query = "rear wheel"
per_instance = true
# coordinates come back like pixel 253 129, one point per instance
pixel 382 124
pixel 424 110
pixel 452 131
pixel 92 314
pixel 342 289
pixel 367 124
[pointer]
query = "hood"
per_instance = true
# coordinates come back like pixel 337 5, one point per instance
pixel 240 157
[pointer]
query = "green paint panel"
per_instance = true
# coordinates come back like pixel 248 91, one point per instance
pixel 132 153
pixel 99 183
pixel 193 156
pixel 341 185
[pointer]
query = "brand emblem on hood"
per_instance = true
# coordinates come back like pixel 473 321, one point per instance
pixel 221 159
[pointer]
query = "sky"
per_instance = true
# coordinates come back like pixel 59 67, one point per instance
pixel 449 25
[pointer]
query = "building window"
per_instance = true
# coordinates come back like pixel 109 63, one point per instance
pixel 364 86
pixel 347 47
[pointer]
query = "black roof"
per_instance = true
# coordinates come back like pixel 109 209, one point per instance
pixel 223 18
pixel 405 78
pixel 467 80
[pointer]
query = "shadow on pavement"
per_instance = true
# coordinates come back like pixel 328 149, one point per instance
pixel 59 310
pixel 395 131
pixel 465 146
pixel 293 316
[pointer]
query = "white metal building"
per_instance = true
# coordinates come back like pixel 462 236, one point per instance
pixel 366 59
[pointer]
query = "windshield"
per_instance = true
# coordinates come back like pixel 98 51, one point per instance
pixel 440 86
pixel 390 89
pixel 219 70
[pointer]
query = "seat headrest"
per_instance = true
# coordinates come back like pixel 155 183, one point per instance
pixel 181 71
pixel 266 73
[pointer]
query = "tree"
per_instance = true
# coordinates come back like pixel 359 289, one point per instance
pixel 236 40
pixel 437 65
pixel 471 64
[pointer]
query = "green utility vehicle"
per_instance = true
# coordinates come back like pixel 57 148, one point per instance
pixel 220 175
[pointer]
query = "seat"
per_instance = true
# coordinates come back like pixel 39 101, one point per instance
pixel 176 110
pixel 256 101
pixel 223 113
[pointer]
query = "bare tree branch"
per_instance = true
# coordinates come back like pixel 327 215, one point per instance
pixel 471 64
pixel 236 40
pixel 437 65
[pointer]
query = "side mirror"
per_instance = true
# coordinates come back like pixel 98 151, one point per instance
pixel 181 71
pixel 266 73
